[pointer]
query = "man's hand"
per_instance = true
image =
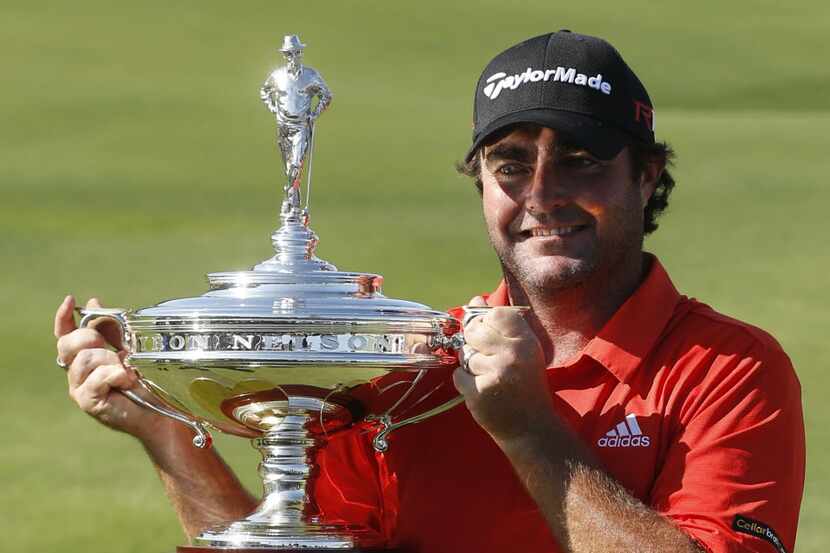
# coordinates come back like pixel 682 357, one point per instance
pixel 504 384
pixel 202 489
pixel 96 373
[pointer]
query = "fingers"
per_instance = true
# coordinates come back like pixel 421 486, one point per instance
pixel 497 344
pixel 509 321
pixel 482 337
pixel 471 384
pixel 92 395
pixel 76 341
pixel 472 360
pixel 86 362
pixel 64 319
pixel 72 340
pixel 487 333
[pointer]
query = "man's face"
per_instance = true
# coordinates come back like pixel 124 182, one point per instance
pixel 556 215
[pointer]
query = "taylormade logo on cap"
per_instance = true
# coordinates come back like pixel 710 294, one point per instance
pixel 577 84
pixel 500 81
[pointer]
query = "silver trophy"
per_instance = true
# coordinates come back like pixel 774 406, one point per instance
pixel 290 352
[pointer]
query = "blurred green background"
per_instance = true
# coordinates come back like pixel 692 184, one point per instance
pixel 135 156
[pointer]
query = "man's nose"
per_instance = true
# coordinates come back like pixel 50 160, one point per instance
pixel 546 190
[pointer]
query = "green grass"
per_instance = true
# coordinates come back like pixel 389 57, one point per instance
pixel 135 157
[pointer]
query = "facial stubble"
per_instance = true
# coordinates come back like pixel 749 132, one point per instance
pixel 609 257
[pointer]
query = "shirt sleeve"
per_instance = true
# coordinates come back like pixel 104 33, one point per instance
pixel 733 474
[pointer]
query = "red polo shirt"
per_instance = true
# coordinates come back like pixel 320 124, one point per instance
pixel 694 413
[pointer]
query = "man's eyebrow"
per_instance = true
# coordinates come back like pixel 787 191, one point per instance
pixel 509 152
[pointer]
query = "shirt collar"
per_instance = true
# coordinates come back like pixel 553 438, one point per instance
pixel 628 337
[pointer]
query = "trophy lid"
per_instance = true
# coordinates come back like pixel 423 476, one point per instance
pixel 294 284
pixel 322 297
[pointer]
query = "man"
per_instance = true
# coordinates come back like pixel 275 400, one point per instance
pixel 616 415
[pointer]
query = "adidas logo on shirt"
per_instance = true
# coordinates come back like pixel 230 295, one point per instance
pixel 626 434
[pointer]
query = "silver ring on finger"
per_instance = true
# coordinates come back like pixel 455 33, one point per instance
pixel 466 364
pixel 60 363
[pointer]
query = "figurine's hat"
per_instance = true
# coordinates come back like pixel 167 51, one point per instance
pixel 291 43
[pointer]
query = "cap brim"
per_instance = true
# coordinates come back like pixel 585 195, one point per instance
pixel 602 141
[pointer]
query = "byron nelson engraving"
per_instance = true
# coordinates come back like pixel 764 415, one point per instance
pixel 352 343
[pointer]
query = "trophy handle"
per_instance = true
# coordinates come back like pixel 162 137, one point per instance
pixel 381 443
pixel 202 439
pixel 454 342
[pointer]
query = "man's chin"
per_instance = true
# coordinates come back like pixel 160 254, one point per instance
pixel 555 273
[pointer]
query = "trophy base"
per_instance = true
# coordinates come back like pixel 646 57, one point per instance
pixel 270 536
pixel 287 520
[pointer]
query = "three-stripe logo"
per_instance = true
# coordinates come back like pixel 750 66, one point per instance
pixel 625 434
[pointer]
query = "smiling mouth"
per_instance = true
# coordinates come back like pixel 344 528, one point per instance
pixel 555 231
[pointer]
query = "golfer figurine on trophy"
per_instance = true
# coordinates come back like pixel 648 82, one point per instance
pixel 289 93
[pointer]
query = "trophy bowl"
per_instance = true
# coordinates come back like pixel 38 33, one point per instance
pixel 290 352
pixel 288 359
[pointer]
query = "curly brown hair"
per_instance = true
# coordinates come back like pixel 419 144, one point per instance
pixel 641 154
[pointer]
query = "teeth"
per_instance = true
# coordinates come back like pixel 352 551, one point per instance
pixel 559 231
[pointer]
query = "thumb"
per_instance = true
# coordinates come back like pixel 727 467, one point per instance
pixel 477 301
pixel 64 321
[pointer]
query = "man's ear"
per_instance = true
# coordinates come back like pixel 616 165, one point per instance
pixel 652 171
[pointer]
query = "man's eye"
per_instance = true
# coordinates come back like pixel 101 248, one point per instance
pixel 511 170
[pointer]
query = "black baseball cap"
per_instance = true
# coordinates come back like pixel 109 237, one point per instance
pixel 576 84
